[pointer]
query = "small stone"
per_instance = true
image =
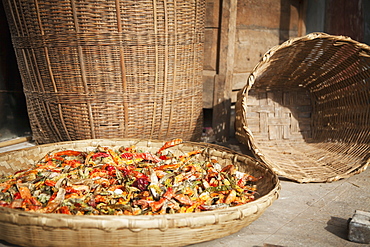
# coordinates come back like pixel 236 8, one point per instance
pixel 359 227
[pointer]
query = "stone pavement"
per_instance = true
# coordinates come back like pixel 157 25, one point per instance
pixel 313 214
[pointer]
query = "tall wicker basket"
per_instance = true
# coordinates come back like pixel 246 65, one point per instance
pixel 110 69
pixel 305 109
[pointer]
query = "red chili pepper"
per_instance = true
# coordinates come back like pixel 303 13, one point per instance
pixel 184 199
pixel 211 173
pixel 149 157
pixel 68 153
pixel 7 187
pixel 191 153
pixel 50 183
pixel 158 204
pixel 25 192
pixel 53 196
pixel 99 198
pixel 135 174
pixel 241 182
pixel 64 210
pixel 144 156
pixel 18 172
pixel 169 144
pixel 130 149
pixel 55 158
pixel 164 157
pixel 110 168
pixel 141 183
pixel 35 202
pixel 70 189
pixel 130 171
pixel 113 181
pixel 17 195
pixel 92 202
pixel 228 168
pixel 169 166
pixel 127 156
pixel 231 197
pixel 254 179
pixel 4 204
pixel 100 154
pixel 95 170
pixel 71 163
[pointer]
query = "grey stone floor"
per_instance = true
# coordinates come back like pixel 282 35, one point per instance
pixel 313 214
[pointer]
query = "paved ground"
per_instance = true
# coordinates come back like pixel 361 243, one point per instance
pixel 314 214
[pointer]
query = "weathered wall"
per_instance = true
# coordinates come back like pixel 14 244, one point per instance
pixel 260 26
pixel 315 16
pixel 345 17
pixel 211 50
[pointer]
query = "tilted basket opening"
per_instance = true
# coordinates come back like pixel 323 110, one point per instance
pixel 306 108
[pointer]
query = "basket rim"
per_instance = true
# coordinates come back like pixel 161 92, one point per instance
pixel 290 42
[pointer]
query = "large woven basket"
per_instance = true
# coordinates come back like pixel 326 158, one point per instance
pixel 35 229
pixel 110 68
pixel 305 110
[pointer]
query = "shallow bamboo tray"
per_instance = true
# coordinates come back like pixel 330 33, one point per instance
pixel 305 110
pixel 35 229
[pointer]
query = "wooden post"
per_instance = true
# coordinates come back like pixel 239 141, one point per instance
pixel 302 18
pixel 223 80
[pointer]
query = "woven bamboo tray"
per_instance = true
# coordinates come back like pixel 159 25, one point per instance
pixel 110 68
pixel 305 110
pixel 35 229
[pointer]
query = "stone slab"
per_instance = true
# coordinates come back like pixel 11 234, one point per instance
pixel 359 227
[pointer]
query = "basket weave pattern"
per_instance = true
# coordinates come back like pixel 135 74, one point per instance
pixel 110 69
pixel 36 229
pixel 305 110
